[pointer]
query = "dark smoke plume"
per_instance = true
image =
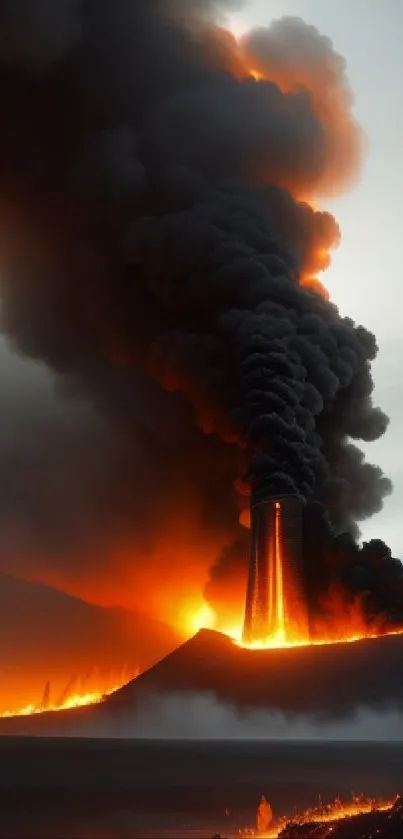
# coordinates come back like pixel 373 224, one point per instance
pixel 159 253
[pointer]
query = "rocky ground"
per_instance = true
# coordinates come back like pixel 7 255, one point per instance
pixel 375 825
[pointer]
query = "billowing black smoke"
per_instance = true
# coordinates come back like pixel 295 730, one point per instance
pixel 335 566
pixel 159 254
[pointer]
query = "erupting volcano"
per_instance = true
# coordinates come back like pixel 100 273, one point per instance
pixel 277 609
pixel 162 245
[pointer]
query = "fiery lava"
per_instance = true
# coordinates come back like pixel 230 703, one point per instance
pixel 324 813
pixel 279 610
pixel 276 611
pixel 216 233
pixel 74 697
pixel 276 603
pixel 277 640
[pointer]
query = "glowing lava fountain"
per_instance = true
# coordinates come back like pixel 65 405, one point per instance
pixel 276 607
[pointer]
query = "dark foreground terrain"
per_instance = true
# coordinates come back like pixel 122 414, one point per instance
pixel 108 789
pixel 333 679
pixel 377 824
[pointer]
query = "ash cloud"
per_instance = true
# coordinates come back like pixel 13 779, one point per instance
pixel 36 35
pixel 158 254
pixel 79 500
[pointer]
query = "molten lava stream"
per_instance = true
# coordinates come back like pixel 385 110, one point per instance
pixel 351 622
pixel 275 641
pixel 74 697
pixel 280 627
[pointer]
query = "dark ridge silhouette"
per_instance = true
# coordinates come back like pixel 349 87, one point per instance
pixel 319 681
pixel 325 680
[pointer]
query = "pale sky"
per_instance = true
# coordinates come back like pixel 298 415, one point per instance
pixel 365 279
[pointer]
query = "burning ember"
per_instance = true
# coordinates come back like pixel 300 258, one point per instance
pixel 322 814
pixel 73 696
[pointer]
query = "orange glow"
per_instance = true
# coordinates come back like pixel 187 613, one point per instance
pixel 344 623
pixel 319 256
pixel 276 640
pixel 324 813
pixel 256 74
pixel 331 99
pixel 194 618
pixel 346 634
pixel 342 620
pixel 72 696
pixel 279 605
pixel 344 143
pixel 314 284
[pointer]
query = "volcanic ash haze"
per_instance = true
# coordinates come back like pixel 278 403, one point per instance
pixel 160 245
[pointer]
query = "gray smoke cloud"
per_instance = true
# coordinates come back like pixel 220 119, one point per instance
pixel 203 716
pixel 154 236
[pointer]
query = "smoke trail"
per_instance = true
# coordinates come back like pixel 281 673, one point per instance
pixel 159 249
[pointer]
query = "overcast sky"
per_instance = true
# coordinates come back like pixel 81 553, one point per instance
pixel 366 276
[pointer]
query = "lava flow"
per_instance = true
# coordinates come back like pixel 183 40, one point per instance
pixel 276 609
pixel 323 814
pixel 279 639
pixel 74 697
